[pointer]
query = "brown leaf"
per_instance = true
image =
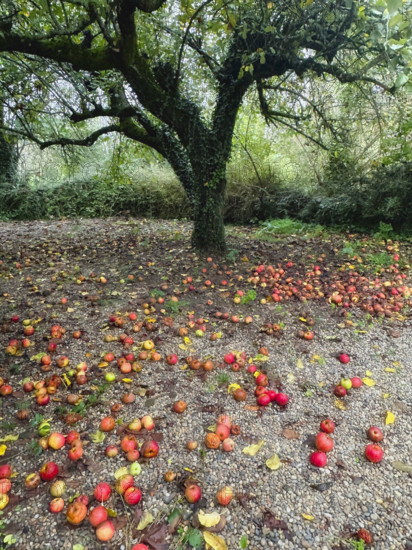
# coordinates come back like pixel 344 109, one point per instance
pixel 252 408
pixel 290 434
pixel 243 499
pixel 272 522
pixel 342 464
pixel 120 522
pixel 155 536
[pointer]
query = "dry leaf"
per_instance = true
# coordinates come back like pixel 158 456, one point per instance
pixel 252 407
pixel 390 369
pixel 3 449
pixel 273 463
pixel 290 377
pixel 208 520
pixel 290 434
pixel 98 437
pixel 299 364
pixel 390 418
pixel 215 542
pixel 308 517
pixel 233 387
pixel 146 520
pixel 368 382
pixel 369 373
pixel 253 449
pixel 9 437
pixel 401 467
pixel 121 472
pixel 340 405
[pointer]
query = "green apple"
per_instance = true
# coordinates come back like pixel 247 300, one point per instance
pixel 199 333
pixel 110 377
pixel 135 469
pixel 346 383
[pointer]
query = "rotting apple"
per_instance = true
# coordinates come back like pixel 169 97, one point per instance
pixel 179 406
pixel 224 496
pixel 76 512
pixel 149 449
pixel 58 488
pixel 339 391
pixel 107 424
pixel 32 481
pixel 105 531
pixel 123 483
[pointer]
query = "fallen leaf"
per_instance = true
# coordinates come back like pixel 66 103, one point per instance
pixel 217 543
pixel 98 437
pixel 145 520
pixel 233 387
pixel 290 377
pixel 402 467
pixel 290 434
pixel 368 382
pixel 390 369
pixel 386 395
pixel 121 472
pixel 251 450
pixel 299 364
pixel 340 405
pixel 9 437
pixel 3 449
pixel 369 373
pixel 308 517
pixel 208 520
pixel 272 522
pixel 273 463
pixel 111 513
pixel 390 418
pixel 251 408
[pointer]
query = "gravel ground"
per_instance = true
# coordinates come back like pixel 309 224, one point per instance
pixel 349 493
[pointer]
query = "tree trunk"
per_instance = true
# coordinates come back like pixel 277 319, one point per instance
pixel 8 156
pixel 208 234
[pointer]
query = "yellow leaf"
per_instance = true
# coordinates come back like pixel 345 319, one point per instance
pixel 111 513
pixel 368 382
pixel 189 470
pixel 386 395
pixel 273 463
pixel 302 319
pixel 121 472
pixel 127 380
pixel 145 520
pixel 212 428
pixel 290 377
pixel 70 310
pixel 251 450
pixel 66 379
pixel 390 369
pixel 217 543
pixel 184 367
pixel 9 438
pixel 369 373
pixel 340 405
pixel 3 449
pixel 188 341
pixel 308 517
pixel 233 387
pixel 299 364
pixel 98 437
pixel 183 347
pixel 142 392
pixel 208 520
pixel 390 418
pixel 103 364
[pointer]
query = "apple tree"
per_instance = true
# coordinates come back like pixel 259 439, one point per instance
pixel 173 75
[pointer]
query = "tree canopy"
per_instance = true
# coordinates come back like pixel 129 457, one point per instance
pixel 173 75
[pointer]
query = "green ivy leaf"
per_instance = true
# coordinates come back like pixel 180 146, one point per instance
pixel 195 539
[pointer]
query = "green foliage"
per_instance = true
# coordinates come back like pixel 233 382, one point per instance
pixel 249 297
pixel 243 543
pixel 288 226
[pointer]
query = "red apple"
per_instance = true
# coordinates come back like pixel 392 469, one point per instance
pixel 56 441
pixel 132 496
pixel 135 426
pixel 133 455
pixel 225 495
pixel 324 442
pixel 102 492
pixel 228 445
pixel 318 459
pixel 260 390
pixel 84 499
pixel 98 515
pixel 111 451
pixel 344 358
pixel 71 436
pixel 172 359
pixel 6 389
pixel 5 471
pixel 62 361
pixel 41 400
pixel 272 394
pixel 28 387
pixel 49 471
pixel 251 369
pixel 150 449
pixel 5 486
pixel 375 434
pixel 327 426
pixel 340 391
pixel 222 431
pixel 140 547
pixel 282 399
pixel 75 453
pixel 373 453
pixel 128 443
pixel 229 358
pixel 32 481
pixel 193 493
pixel 224 419
pixel 356 382
pixel 107 424
pixel 147 422
pixel 105 531
pixel 123 483
pixel 263 400
pixel 56 505
pixel 261 380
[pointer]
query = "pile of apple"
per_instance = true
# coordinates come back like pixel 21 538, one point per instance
pixel 373 451
pixel 323 443
pixel 5 485
pixel 43 389
pixel 224 428
pixel 129 444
